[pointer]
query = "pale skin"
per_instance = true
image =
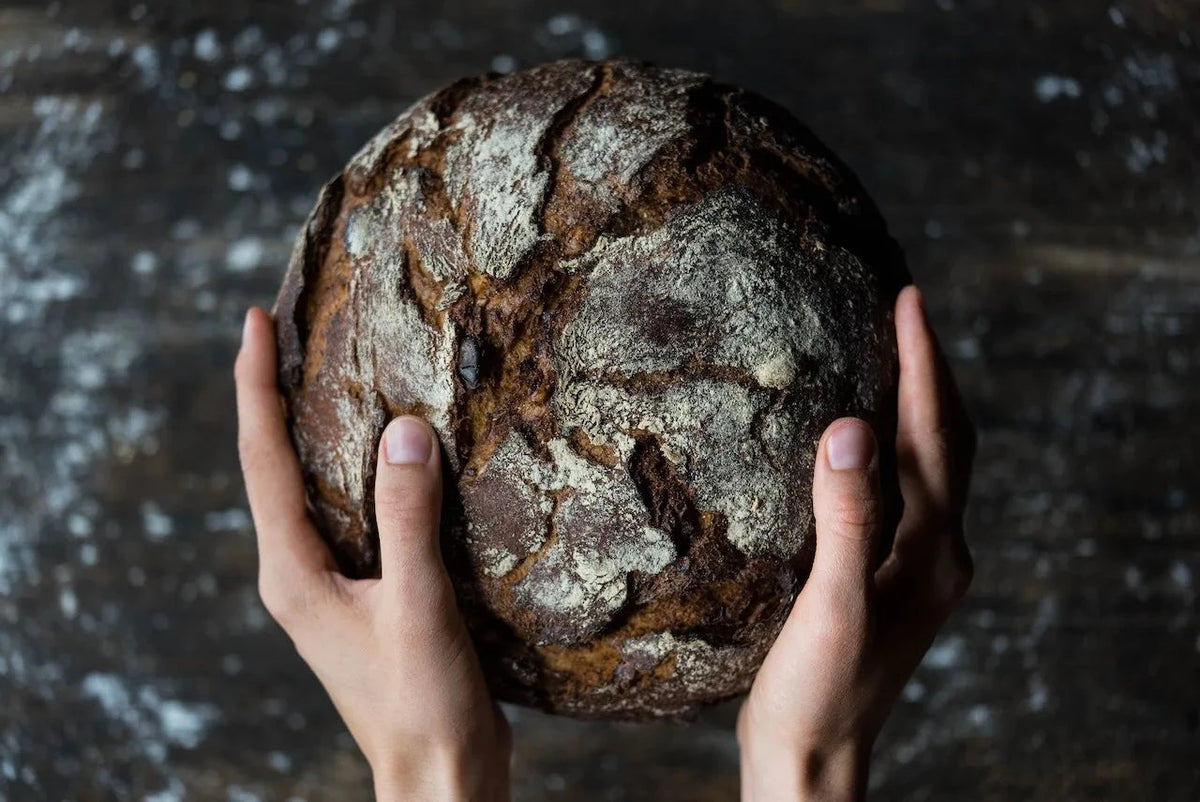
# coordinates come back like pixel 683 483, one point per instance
pixel 398 663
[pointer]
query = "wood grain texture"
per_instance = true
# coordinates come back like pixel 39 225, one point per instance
pixel 1038 162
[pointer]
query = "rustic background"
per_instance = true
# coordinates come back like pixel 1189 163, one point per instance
pixel 1038 161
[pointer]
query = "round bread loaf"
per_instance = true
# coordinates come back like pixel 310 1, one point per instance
pixel 629 300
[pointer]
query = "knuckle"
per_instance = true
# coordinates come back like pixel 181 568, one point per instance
pixel 405 510
pixel 284 601
pixel 857 513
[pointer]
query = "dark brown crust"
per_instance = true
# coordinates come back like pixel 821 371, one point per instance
pixel 291 323
pixel 504 380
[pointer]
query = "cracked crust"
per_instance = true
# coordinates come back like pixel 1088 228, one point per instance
pixel 628 299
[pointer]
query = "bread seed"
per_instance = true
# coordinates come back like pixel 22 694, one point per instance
pixel 468 362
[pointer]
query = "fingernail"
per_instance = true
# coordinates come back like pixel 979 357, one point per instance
pixel 851 447
pixel 407 441
pixel 246 326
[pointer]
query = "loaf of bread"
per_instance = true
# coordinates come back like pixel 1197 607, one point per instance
pixel 629 300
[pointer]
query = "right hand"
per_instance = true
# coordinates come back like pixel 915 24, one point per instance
pixel 857 633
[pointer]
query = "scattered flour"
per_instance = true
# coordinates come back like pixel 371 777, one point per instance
pixel 946 652
pixel 146 59
pixel 238 79
pixel 563 24
pixel 144 263
pixel 46 460
pixel 240 178
pixel 244 254
pixel 504 63
pixel 1181 576
pixel 1039 694
pixel 234 520
pixel 68 603
pixel 596 44
pixel 328 40
pixel 1144 153
pixel 157 723
pixel 157 524
pixel 206 47
pixel 174 792
pixel 1052 87
pixel 56 444
pixel 564 33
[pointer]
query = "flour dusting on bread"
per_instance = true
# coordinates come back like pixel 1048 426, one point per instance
pixel 628 300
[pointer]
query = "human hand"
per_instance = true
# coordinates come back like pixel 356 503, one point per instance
pixel 856 633
pixel 393 653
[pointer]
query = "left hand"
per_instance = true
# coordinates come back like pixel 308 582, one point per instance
pixel 393 653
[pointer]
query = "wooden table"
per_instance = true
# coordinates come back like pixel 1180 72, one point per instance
pixel 1040 163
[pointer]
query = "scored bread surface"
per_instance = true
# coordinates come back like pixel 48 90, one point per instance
pixel 629 300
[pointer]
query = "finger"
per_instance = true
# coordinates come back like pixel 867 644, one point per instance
pixel 957 422
pixel 408 506
pixel 929 566
pixel 918 597
pixel 916 589
pixel 915 604
pixel 287 541
pixel 846 505
pixel 923 436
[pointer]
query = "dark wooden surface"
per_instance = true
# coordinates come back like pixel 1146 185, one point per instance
pixel 1038 161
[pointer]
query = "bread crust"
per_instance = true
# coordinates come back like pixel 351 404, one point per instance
pixel 629 300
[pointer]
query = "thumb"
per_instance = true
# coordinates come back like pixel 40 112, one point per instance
pixel 846 505
pixel 408 502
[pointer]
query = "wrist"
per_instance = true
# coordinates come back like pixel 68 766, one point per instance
pixel 441 777
pixel 810 774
